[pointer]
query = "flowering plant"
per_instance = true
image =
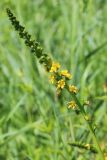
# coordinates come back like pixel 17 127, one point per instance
pixel 60 78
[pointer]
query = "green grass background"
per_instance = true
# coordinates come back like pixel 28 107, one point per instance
pixel 34 123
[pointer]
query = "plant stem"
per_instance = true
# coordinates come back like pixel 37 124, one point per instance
pixel 89 126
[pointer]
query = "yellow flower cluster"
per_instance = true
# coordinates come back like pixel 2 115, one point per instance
pixel 72 105
pixel 66 74
pixel 60 84
pixel 73 89
pixel 54 67
pixel 59 79
pixel 52 79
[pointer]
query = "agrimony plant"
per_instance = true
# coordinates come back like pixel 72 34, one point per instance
pixel 60 78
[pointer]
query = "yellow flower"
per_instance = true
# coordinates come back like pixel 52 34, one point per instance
pixel 61 84
pixel 73 89
pixel 105 156
pixel 66 74
pixel 72 104
pixel 86 102
pixel 52 79
pixel 54 67
pixel 88 146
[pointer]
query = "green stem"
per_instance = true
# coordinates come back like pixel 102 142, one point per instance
pixel 89 126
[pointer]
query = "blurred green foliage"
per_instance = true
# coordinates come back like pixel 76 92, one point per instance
pixel 34 123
